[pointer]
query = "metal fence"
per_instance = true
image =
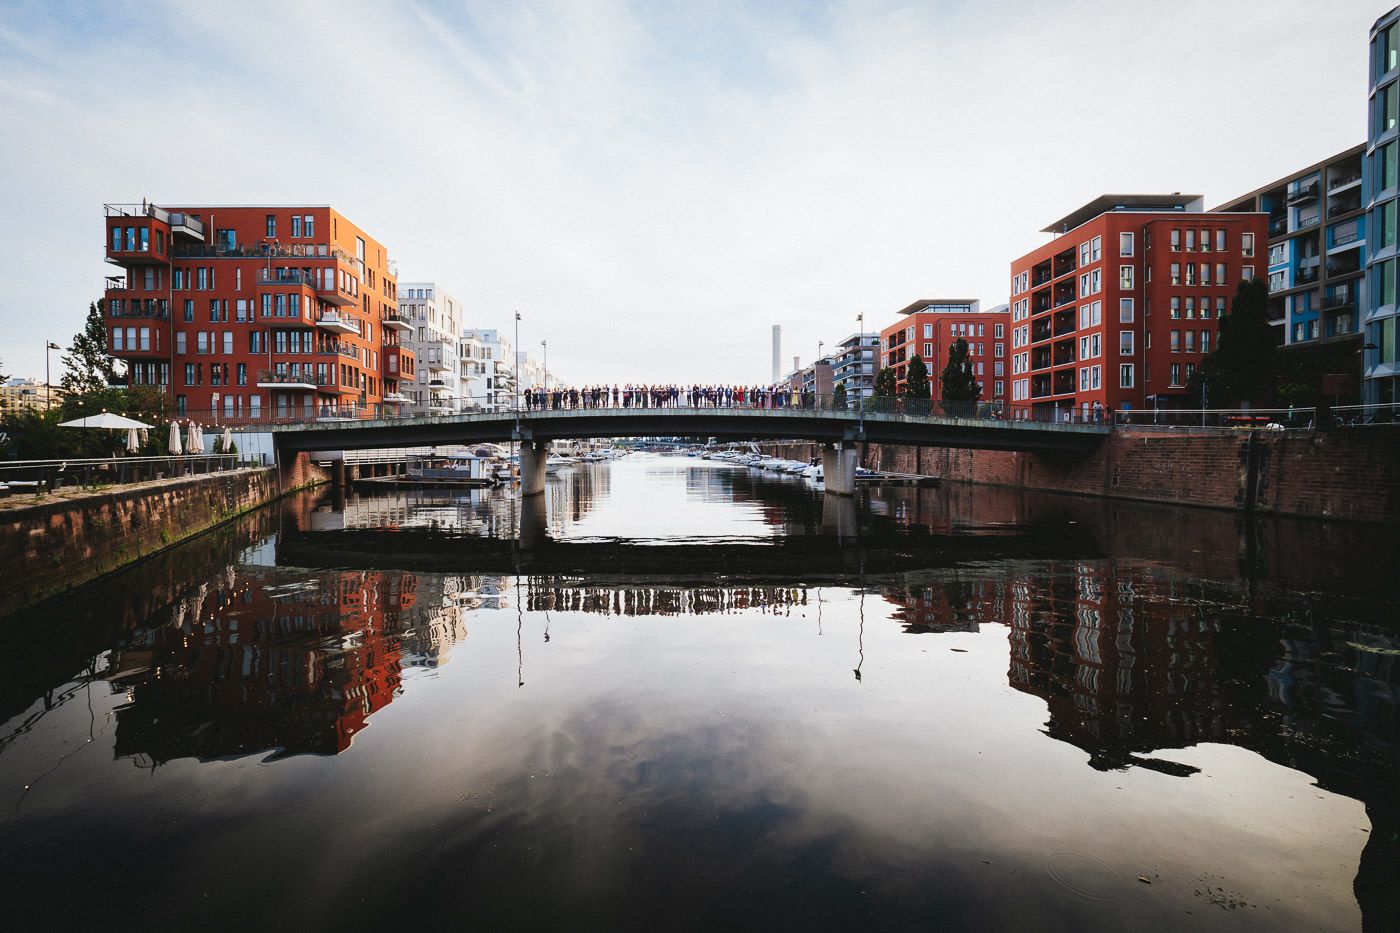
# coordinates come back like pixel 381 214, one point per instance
pixel 30 477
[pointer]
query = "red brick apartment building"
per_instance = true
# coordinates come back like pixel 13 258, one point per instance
pixel 1119 308
pixel 928 327
pixel 253 312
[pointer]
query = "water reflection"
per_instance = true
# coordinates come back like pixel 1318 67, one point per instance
pixel 764 728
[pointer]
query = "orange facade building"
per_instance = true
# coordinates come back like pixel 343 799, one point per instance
pixel 928 327
pixel 1117 311
pixel 246 313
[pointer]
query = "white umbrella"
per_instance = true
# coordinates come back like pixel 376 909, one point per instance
pixel 133 441
pixel 228 440
pixel 176 447
pixel 144 435
pixel 105 420
pixel 192 439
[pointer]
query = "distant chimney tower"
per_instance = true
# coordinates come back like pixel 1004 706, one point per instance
pixel 777 352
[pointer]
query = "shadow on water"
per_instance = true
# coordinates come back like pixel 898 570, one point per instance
pixel 1142 629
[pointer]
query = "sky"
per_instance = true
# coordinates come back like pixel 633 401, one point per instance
pixel 654 185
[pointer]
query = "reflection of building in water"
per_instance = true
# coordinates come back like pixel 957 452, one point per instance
pixel 574 492
pixel 265 659
pixel 545 594
pixel 1126 662
pixel 949 606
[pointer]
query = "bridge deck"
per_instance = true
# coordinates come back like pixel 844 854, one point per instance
pixel 726 423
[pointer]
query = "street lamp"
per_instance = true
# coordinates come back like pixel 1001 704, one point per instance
pixel 517 371
pixel 545 345
pixel 49 347
pixel 860 370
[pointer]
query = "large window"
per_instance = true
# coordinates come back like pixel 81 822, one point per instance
pixel 1388 107
pixel 1125 342
pixel 1125 244
pixel 1125 376
pixel 1385 220
pixel 1386 44
pixel 1125 310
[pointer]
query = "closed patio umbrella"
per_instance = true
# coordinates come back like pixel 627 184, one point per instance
pixel 192 445
pixel 175 446
pixel 228 439
pixel 133 441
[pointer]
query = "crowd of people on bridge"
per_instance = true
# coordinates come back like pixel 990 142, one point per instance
pixel 631 395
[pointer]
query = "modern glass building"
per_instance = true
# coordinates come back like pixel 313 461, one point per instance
pixel 1380 372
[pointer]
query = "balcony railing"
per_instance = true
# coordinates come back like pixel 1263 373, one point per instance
pixel 178 222
pixel 338 323
pixel 1334 183
pixel 136 307
pixel 286 277
pixel 350 353
pixel 288 380
pixel 1303 194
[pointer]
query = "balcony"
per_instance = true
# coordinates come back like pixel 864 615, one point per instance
pixel 1064 382
pixel 436 362
pixel 1343 262
pixel 1040 359
pixel 1344 181
pixel 1341 297
pixel 1305 275
pixel 305 382
pixel 1064 294
pixel 1040 386
pixel 155 308
pixel 396 322
pixel 1064 324
pixel 1064 263
pixel 1303 194
pixel 286 278
pixel 1040 274
pixel 338 323
pixel 341 350
pixel 397 398
pixel 1040 330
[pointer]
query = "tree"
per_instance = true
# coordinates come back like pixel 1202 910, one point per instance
pixel 916 385
pixel 1241 367
pixel 89 368
pixel 838 396
pixel 886 385
pixel 959 384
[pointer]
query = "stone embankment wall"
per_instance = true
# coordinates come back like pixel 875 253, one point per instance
pixel 1349 474
pixel 52 546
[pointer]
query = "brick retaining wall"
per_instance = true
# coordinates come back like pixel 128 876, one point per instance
pixel 53 546
pixel 1351 474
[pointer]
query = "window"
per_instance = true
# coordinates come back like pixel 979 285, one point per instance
pixel 1125 343
pixel 1125 376
pixel 189 310
pixel 1190 273
pixel 999 388
pixel 189 374
pixel 1205 273
pixel 1084 254
pixel 1125 277
pixel 1388 108
pixel 309 228
pixel 296 225
pixel 1176 341
pixel 1205 341
pixel 998 331
pixel 117 338
pixel 1176 241
pixel 1176 374
pixel 243 374
pixel 1176 308
pixel 1190 341
pixel 1095 282
pixel 271 226
pixel 1220 241
pixel 1176 273
pixel 1247 273
pixel 928 331
pixel 1084 285
pixel 1219 274
pixel 1125 310
pixel 1247 244
pixel 1220 306
pixel 1125 244
pixel 928 351
pixel 180 344
pixel 228 342
pixel 1190 241
pixel 1190 308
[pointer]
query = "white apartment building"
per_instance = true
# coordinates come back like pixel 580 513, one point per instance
pixel 436 318
pixel 486 368
pixel 532 372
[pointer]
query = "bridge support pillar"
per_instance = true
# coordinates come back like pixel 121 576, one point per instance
pixel 533 522
pixel 839 468
pixel 532 457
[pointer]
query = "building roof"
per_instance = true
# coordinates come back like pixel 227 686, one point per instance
pixel 973 305
pixel 1105 203
pixel 1357 151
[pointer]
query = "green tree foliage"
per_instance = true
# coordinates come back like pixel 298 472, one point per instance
pixel 88 366
pixel 959 384
pixel 34 434
pixel 1242 367
pixel 916 384
pixel 886 385
pixel 838 396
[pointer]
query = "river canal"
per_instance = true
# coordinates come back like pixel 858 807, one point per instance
pixel 672 694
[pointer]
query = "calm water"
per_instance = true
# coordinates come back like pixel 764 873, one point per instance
pixel 671 694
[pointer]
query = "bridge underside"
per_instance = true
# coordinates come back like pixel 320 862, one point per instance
pixel 725 425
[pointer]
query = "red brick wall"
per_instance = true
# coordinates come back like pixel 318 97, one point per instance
pixel 1342 474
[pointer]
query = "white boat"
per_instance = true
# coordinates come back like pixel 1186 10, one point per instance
pixel 815 472
pixel 553 464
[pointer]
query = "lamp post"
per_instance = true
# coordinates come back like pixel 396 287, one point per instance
pixel 517 371
pixel 544 344
pixel 860 370
pixel 49 347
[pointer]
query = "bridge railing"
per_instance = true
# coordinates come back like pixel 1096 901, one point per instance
pixel 684 402
pixel 35 477
pixel 1266 419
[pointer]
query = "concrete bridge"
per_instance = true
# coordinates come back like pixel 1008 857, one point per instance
pixel 838 430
